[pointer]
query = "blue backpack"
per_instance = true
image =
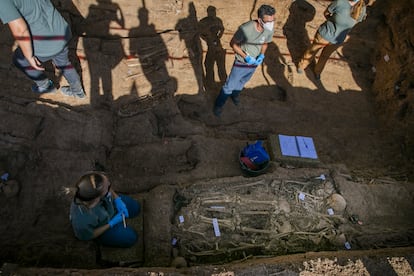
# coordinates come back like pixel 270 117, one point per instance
pixel 256 153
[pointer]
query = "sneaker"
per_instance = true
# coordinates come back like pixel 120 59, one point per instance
pixel 41 90
pixel 67 91
pixel 300 71
pixel 217 111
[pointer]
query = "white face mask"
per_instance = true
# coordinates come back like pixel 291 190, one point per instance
pixel 268 25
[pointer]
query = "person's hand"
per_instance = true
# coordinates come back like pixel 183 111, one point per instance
pixel 121 207
pixel 115 220
pixel 250 60
pixel 259 59
pixel 36 64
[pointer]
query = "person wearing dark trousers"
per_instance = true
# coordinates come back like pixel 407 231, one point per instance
pixel 249 44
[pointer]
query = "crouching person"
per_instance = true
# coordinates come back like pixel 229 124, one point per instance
pixel 98 213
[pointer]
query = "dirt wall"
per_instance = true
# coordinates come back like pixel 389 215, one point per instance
pixel 393 86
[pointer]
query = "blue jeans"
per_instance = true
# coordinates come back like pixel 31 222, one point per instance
pixel 60 60
pixel 240 74
pixel 118 236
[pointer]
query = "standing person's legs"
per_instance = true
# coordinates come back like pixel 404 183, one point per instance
pixel 239 75
pixel 42 83
pixel 243 80
pixel 221 64
pixel 310 53
pixel 62 62
pixel 326 53
pixel 209 67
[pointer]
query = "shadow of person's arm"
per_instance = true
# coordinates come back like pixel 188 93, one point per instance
pixel 220 32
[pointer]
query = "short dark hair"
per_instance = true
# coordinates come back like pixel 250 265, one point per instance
pixel 265 10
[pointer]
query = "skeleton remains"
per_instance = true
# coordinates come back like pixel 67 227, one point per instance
pixel 258 216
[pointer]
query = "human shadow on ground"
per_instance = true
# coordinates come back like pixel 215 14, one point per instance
pixel 211 30
pixel 187 28
pixel 76 22
pixel 360 49
pixel 104 51
pixel 277 68
pixel 300 12
pixel 148 46
pixel 378 266
pixel 6 64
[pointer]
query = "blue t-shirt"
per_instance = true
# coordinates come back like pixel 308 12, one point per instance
pixel 50 32
pixel 85 221
pixel 336 28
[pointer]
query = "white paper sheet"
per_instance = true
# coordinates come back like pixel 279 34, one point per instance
pixel 288 145
pixel 297 146
pixel 306 147
pixel 216 228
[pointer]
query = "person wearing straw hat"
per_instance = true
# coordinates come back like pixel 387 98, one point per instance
pixel 98 213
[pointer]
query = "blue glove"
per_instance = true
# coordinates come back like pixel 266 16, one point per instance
pixel 115 220
pixel 250 60
pixel 259 59
pixel 121 207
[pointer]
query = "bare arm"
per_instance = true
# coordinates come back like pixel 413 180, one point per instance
pixel 235 44
pixel 114 194
pixel 264 48
pixel 327 14
pixel 100 230
pixel 21 33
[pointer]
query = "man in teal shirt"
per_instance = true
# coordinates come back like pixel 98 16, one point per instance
pixel 249 44
pixel 42 35
pixel 332 33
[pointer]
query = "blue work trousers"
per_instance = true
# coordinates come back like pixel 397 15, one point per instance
pixel 240 74
pixel 60 60
pixel 120 236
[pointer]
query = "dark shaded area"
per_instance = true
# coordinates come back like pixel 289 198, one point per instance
pixel 76 22
pixel 103 50
pixel 298 40
pixel 211 30
pixel 152 53
pixel 378 266
pixel 187 28
pixel 276 65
